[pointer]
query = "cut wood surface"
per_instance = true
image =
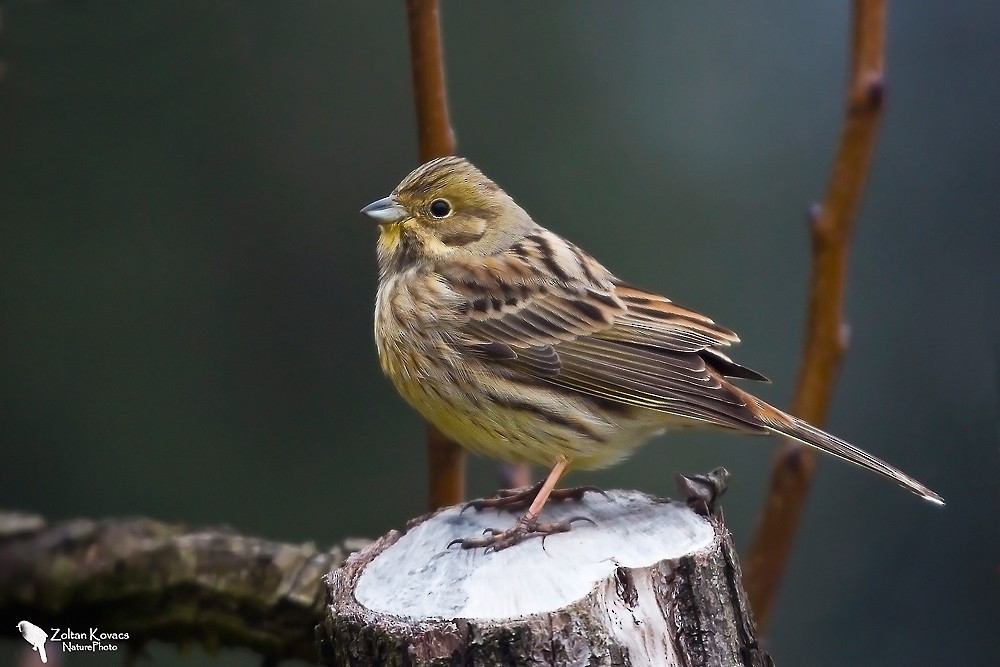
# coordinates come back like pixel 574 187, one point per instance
pixel 651 583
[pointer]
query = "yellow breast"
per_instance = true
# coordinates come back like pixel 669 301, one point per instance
pixel 486 412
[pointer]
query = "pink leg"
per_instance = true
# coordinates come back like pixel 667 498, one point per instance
pixel 527 525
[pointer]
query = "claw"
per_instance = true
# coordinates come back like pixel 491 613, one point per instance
pixel 561 526
pixel 564 526
pixel 497 540
pixel 475 504
pixel 583 518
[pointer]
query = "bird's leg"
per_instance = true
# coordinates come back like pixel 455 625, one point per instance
pixel 527 525
pixel 520 498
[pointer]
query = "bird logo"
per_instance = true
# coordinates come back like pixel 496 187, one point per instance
pixel 35 636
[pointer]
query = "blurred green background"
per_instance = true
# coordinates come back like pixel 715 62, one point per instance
pixel 186 286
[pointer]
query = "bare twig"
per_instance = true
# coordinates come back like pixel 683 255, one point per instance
pixel 429 91
pixel 445 470
pixel 163 582
pixel 826 335
pixel 445 459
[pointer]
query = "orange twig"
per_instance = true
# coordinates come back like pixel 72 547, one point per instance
pixel 445 470
pixel 429 92
pixel 445 459
pixel 826 337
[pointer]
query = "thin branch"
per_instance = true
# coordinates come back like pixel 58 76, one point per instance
pixel 429 91
pixel 826 335
pixel 445 470
pixel 445 459
pixel 164 582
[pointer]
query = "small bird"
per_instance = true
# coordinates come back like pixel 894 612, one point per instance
pixel 35 636
pixel 519 345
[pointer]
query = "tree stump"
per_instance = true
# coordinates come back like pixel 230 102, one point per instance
pixel 652 583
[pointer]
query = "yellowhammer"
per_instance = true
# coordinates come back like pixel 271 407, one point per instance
pixel 519 345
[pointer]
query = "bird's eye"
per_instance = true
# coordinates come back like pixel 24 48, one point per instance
pixel 440 208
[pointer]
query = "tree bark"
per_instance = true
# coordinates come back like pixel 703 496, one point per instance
pixel 651 583
pixel 157 581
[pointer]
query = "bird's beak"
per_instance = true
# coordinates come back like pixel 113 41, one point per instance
pixel 386 209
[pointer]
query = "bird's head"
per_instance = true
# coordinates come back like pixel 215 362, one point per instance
pixel 445 209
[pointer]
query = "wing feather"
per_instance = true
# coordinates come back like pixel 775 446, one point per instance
pixel 580 328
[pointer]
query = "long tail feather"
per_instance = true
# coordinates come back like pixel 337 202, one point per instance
pixel 795 428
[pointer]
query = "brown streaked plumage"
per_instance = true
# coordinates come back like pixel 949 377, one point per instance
pixel 519 345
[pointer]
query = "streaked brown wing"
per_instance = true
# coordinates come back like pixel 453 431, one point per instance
pixel 678 328
pixel 587 332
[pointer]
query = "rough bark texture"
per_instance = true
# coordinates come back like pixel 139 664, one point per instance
pixel 165 582
pixel 686 609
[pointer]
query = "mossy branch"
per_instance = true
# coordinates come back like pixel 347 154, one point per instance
pixel 164 582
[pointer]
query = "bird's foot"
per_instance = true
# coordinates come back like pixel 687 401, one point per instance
pixel 519 499
pixel 523 528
